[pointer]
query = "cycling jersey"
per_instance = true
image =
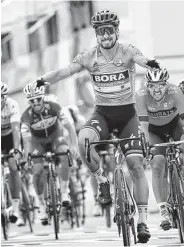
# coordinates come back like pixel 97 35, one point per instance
pixel 44 123
pixel 9 114
pixel 160 113
pixel 113 80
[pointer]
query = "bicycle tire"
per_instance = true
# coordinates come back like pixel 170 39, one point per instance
pixel 180 209
pixel 54 205
pixel 4 217
pixel 125 229
pixel 26 204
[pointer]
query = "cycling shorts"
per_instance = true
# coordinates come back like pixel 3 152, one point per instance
pixel 40 145
pixel 6 143
pixel 157 133
pixel 124 118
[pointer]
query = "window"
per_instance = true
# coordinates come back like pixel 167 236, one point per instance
pixel 52 30
pixel 6 47
pixel 81 13
pixel 34 43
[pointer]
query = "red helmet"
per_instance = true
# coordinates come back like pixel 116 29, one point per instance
pixel 105 17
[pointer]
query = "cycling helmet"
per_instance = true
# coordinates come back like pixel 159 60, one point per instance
pixel 4 89
pixel 157 75
pixel 32 90
pixel 103 18
pixel 181 85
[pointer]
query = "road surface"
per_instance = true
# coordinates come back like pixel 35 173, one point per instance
pixel 93 233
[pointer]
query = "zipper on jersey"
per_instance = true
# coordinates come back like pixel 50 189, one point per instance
pixel 46 132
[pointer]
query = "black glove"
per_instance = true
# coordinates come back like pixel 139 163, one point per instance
pixel 41 82
pixel 153 64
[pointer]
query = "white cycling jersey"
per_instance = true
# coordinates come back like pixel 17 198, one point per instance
pixel 10 113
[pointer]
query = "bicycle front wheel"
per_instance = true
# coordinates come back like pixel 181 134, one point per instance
pixel 179 189
pixel 26 205
pixel 121 204
pixel 54 205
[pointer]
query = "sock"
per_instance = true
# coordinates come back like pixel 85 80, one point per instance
pixel 15 204
pixel 162 207
pixel 143 213
pixel 99 177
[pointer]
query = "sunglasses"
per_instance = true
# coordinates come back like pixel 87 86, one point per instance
pixel 160 84
pixel 35 100
pixel 102 30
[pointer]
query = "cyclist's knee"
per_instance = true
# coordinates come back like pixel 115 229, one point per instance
pixel 12 165
pixel 64 158
pixel 135 164
pixel 158 163
pixel 38 167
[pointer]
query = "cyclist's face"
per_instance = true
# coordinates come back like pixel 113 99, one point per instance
pixel 37 103
pixel 106 36
pixel 157 90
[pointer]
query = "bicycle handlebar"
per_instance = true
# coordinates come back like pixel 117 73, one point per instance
pixel 49 156
pixel 115 142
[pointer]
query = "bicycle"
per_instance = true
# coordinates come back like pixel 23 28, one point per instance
pixel 77 193
pixel 6 198
pixel 53 199
pixel 124 208
pixel 176 181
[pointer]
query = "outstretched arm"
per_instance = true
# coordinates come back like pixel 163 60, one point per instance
pixel 140 59
pixel 57 75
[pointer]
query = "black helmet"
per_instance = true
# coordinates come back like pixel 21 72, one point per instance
pixel 103 18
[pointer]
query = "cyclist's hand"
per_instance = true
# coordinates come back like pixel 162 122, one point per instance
pixel 154 64
pixel 75 152
pixel 16 153
pixel 41 82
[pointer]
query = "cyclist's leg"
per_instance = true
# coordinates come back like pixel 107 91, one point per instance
pixel 39 174
pixel 14 179
pixel 60 144
pixel 134 159
pixel 95 129
pixel 159 179
pixel 178 134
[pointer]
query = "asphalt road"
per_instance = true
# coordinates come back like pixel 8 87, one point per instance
pixel 93 233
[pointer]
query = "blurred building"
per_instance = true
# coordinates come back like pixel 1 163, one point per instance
pixel 39 36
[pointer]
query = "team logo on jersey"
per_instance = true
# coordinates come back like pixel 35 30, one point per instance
pixel 95 67
pixel 111 77
pixel 118 62
pixel 163 113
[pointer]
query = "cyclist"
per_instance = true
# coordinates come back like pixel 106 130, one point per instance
pixel 11 143
pixel 112 69
pixel 41 130
pixel 159 106
pixel 181 86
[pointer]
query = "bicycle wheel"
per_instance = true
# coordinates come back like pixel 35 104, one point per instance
pixel 4 217
pixel 179 196
pixel 122 205
pixel 54 205
pixel 27 206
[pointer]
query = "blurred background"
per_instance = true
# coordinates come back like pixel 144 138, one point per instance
pixel 39 36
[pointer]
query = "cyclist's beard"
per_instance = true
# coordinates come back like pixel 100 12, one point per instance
pixel 110 45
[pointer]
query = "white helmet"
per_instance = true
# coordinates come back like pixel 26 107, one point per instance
pixel 31 90
pixel 157 75
pixel 4 88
